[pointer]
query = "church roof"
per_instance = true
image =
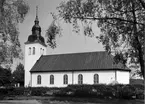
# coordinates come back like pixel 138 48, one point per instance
pixel 87 61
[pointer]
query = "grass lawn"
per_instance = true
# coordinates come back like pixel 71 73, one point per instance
pixel 19 102
pixel 65 100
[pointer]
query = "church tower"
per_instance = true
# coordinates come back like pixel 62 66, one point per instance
pixel 34 48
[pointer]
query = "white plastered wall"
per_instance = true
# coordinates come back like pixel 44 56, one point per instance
pixel 30 60
pixel 105 77
pixel 123 77
pixel 45 79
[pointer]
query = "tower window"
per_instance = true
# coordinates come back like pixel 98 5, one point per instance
pixel 96 79
pixel 51 79
pixel 80 79
pixel 65 79
pixel 43 51
pixel 38 79
pixel 29 50
pixel 40 50
pixel 33 50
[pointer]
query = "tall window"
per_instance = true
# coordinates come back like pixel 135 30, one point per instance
pixel 80 79
pixel 29 50
pixel 38 79
pixel 51 79
pixel 65 79
pixel 43 51
pixel 40 50
pixel 96 79
pixel 33 50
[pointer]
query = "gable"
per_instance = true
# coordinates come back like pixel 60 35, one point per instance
pixel 76 61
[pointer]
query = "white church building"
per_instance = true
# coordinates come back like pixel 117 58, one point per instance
pixel 59 70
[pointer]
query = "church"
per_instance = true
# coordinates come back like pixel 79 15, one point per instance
pixel 60 70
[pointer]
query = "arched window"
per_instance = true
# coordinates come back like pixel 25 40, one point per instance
pixel 65 79
pixel 33 50
pixel 96 78
pixel 40 50
pixel 80 79
pixel 29 50
pixel 43 51
pixel 38 79
pixel 51 79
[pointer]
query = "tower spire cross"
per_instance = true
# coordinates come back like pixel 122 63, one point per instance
pixel 36 14
pixel 37 10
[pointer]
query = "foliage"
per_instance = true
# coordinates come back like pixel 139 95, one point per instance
pixel 16 91
pixel 128 92
pixel 91 91
pixel 137 81
pixel 12 12
pixel 38 91
pixel 103 91
pixel 121 22
pixel 5 77
pixel 18 75
pixel 52 32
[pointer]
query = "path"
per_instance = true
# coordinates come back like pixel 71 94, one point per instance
pixel 19 102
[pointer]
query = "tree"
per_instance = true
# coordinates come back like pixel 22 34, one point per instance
pixel 12 12
pixel 122 25
pixel 52 32
pixel 18 75
pixel 5 77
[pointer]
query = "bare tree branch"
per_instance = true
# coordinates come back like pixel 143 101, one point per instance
pixel 111 18
pixel 142 3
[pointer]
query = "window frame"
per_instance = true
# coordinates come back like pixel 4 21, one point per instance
pixel 51 79
pixel 40 50
pixel 39 79
pixel 80 79
pixel 65 79
pixel 29 53
pixel 34 51
pixel 96 78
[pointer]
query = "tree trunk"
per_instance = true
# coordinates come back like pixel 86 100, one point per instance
pixel 143 5
pixel 136 39
pixel 144 54
pixel 141 60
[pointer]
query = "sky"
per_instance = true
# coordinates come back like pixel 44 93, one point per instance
pixel 69 42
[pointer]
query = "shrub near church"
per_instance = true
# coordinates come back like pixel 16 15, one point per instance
pixel 93 91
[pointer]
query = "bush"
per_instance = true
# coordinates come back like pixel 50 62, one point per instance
pixel 98 91
pixel 3 93
pixel 139 91
pixel 39 91
pixel 103 91
pixel 128 92
pixel 16 91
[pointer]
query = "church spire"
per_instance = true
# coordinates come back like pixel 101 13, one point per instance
pixel 36 19
pixel 36 31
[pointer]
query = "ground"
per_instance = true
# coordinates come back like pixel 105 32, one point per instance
pixel 64 100
pixel 19 102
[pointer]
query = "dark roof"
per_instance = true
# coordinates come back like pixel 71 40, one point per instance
pixel 33 39
pixel 76 61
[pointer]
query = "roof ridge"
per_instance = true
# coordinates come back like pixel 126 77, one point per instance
pixel 74 53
